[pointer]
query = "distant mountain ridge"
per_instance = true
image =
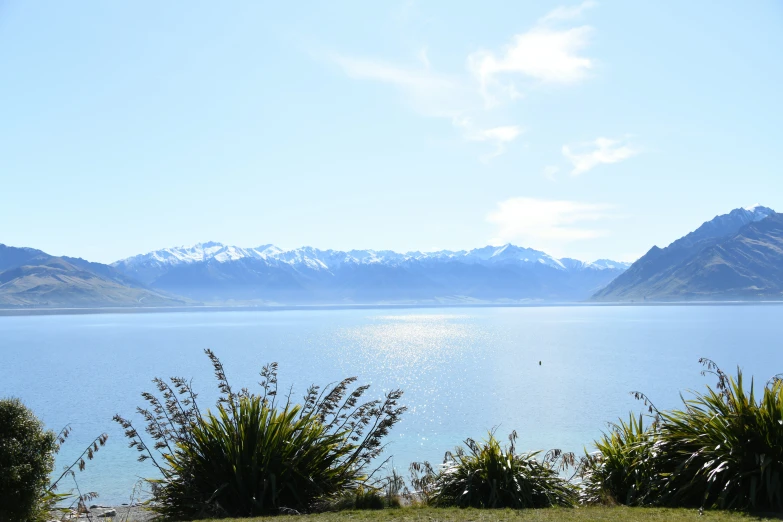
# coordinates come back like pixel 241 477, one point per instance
pixel 216 272
pixel 327 259
pixel 738 255
pixel 733 256
pixel 11 257
pixel 33 278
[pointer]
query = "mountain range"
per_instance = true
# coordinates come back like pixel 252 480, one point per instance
pixel 213 272
pixel 735 256
pixel 217 274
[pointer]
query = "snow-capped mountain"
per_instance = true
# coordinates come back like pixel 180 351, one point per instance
pixel 202 252
pixel 316 259
pixel 214 271
pixel 575 265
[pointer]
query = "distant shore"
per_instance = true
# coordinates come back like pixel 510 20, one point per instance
pixel 379 306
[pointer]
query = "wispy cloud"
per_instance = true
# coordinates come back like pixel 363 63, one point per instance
pixel 540 222
pixel 597 152
pixel 542 55
pixel 430 93
pixel 566 12
pixel 433 95
pixel 504 134
pixel 500 136
pixel 429 90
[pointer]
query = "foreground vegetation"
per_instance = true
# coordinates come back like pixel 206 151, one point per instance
pixel 257 455
pixel 723 449
pixel 488 475
pixel 27 452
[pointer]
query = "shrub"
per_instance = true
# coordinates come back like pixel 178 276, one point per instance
pixel 27 454
pixel 487 475
pixel 26 460
pixel 724 448
pixel 384 493
pixel 368 499
pixel 359 499
pixel 253 456
pixel 622 469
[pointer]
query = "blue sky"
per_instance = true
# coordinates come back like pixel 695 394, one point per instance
pixel 590 130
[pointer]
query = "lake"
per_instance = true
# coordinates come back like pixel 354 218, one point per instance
pixel 463 370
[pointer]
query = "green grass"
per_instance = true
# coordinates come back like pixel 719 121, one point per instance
pixel 586 514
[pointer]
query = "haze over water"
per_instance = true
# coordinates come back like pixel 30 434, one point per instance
pixel 463 370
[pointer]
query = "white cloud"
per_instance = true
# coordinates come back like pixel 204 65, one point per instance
pixel 600 151
pixel 500 136
pixel 433 95
pixel 539 222
pixel 430 93
pixel 541 54
pixel 415 80
pixel 503 134
pixel 566 12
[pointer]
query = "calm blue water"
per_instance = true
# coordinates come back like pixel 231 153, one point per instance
pixel 463 370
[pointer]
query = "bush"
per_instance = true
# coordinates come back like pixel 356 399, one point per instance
pixel 384 493
pixel 621 471
pixel 26 460
pixel 254 456
pixel 255 459
pixel 723 449
pixel 368 499
pixel 488 475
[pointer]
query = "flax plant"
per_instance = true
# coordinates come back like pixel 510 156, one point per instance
pixel 488 475
pixel 622 470
pixel 722 449
pixel 255 455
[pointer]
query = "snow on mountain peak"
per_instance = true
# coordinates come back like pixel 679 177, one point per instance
pixel 315 259
pixel 177 255
pixel 603 264
pixel 759 211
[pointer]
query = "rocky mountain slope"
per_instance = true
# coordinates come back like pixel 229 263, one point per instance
pixel 733 256
pixel 32 278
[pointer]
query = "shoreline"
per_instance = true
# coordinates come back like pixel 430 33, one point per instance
pixel 20 312
pixel 124 512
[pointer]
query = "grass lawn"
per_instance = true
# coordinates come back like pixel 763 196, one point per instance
pixel 588 514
